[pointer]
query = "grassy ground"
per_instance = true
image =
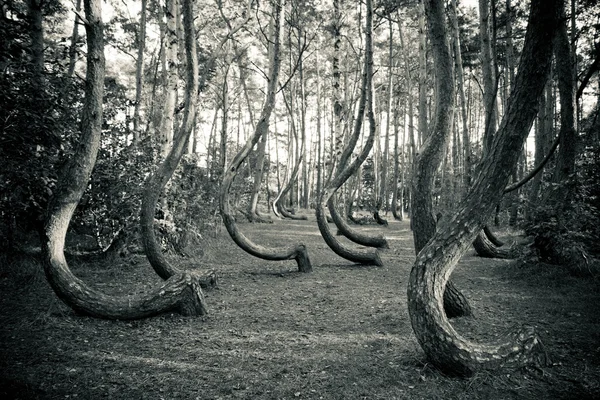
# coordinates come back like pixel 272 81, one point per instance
pixel 341 332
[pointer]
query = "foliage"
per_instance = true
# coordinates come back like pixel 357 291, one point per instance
pixel 572 238
pixel 38 123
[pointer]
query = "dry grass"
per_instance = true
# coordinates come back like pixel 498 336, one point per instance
pixel 341 332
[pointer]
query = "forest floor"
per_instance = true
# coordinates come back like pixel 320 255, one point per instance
pixel 340 332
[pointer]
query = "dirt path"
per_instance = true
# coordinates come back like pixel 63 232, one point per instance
pixel 341 332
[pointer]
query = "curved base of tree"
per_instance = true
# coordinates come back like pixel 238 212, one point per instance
pixel 352 234
pixel 256 217
pixel 450 352
pixel 485 248
pixel 287 214
pixel 492 237
pixel 296 252
pixel 379 220
pixel 181 293
pixel 397 217
pixel 455 303
pixel 361 256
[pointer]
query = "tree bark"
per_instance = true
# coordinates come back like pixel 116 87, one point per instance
pixel 296 252
pixel 180 293
pixel 444 347
pixel 343 171
pixel 431 154
pixel 489 78
pixel 139 72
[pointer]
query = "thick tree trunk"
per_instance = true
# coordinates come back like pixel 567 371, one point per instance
pixel 444 347
pixel 296 252
pixel 180 293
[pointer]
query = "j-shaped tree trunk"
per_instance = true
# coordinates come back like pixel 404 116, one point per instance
pixel 343 227
pixel 181 293
pixel 279 202
pixel 431 152
pixel 296 252
pixel 344 171
pixel 444 347
pixel 156 182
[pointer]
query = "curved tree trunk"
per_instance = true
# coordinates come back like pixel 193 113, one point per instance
pixel 344 171
pixel 492 237
pixel 484 247
pixel 444 347
pixel 423 221
pixel 296 252
pixel 353 234
pixel 180 293
pixel 156 182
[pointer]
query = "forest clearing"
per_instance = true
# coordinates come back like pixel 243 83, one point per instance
pixel 340 332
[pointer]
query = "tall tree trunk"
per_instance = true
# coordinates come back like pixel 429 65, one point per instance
pixel 463 100
pixel 444 347
pixel 170 78
pixel 74 40
pixel 296 252
pixel 487 69
pixel 423 220
pixel 139 72
pixel 180 293
pixel 344 170
pixel 422 75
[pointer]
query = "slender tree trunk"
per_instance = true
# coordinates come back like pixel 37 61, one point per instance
pixel 489 80
pixel 444 347
pixel 170 79
pixel 139 72
pixel 74 40
pixel 343 170
pixel 422 74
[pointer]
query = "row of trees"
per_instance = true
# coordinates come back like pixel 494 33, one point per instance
pixel 405 67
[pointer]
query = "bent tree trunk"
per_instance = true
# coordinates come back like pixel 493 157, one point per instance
pixel 157 181
pixel 344 171
pixel 431 154
pixel 296 252
pixel 181 293
pixel 444 347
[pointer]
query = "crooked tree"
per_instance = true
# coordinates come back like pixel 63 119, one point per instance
pixel 298 251
pixel 444 347
pixel 431 152
pixel 182 291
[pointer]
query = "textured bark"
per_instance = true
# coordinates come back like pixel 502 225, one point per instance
pixel 170 78
pixel 180 293
pixel 487 69
pixel 431 154
pixel 463 99
pixel 444 347
pixel 565 161
pixel 157 181
pixel 297 252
